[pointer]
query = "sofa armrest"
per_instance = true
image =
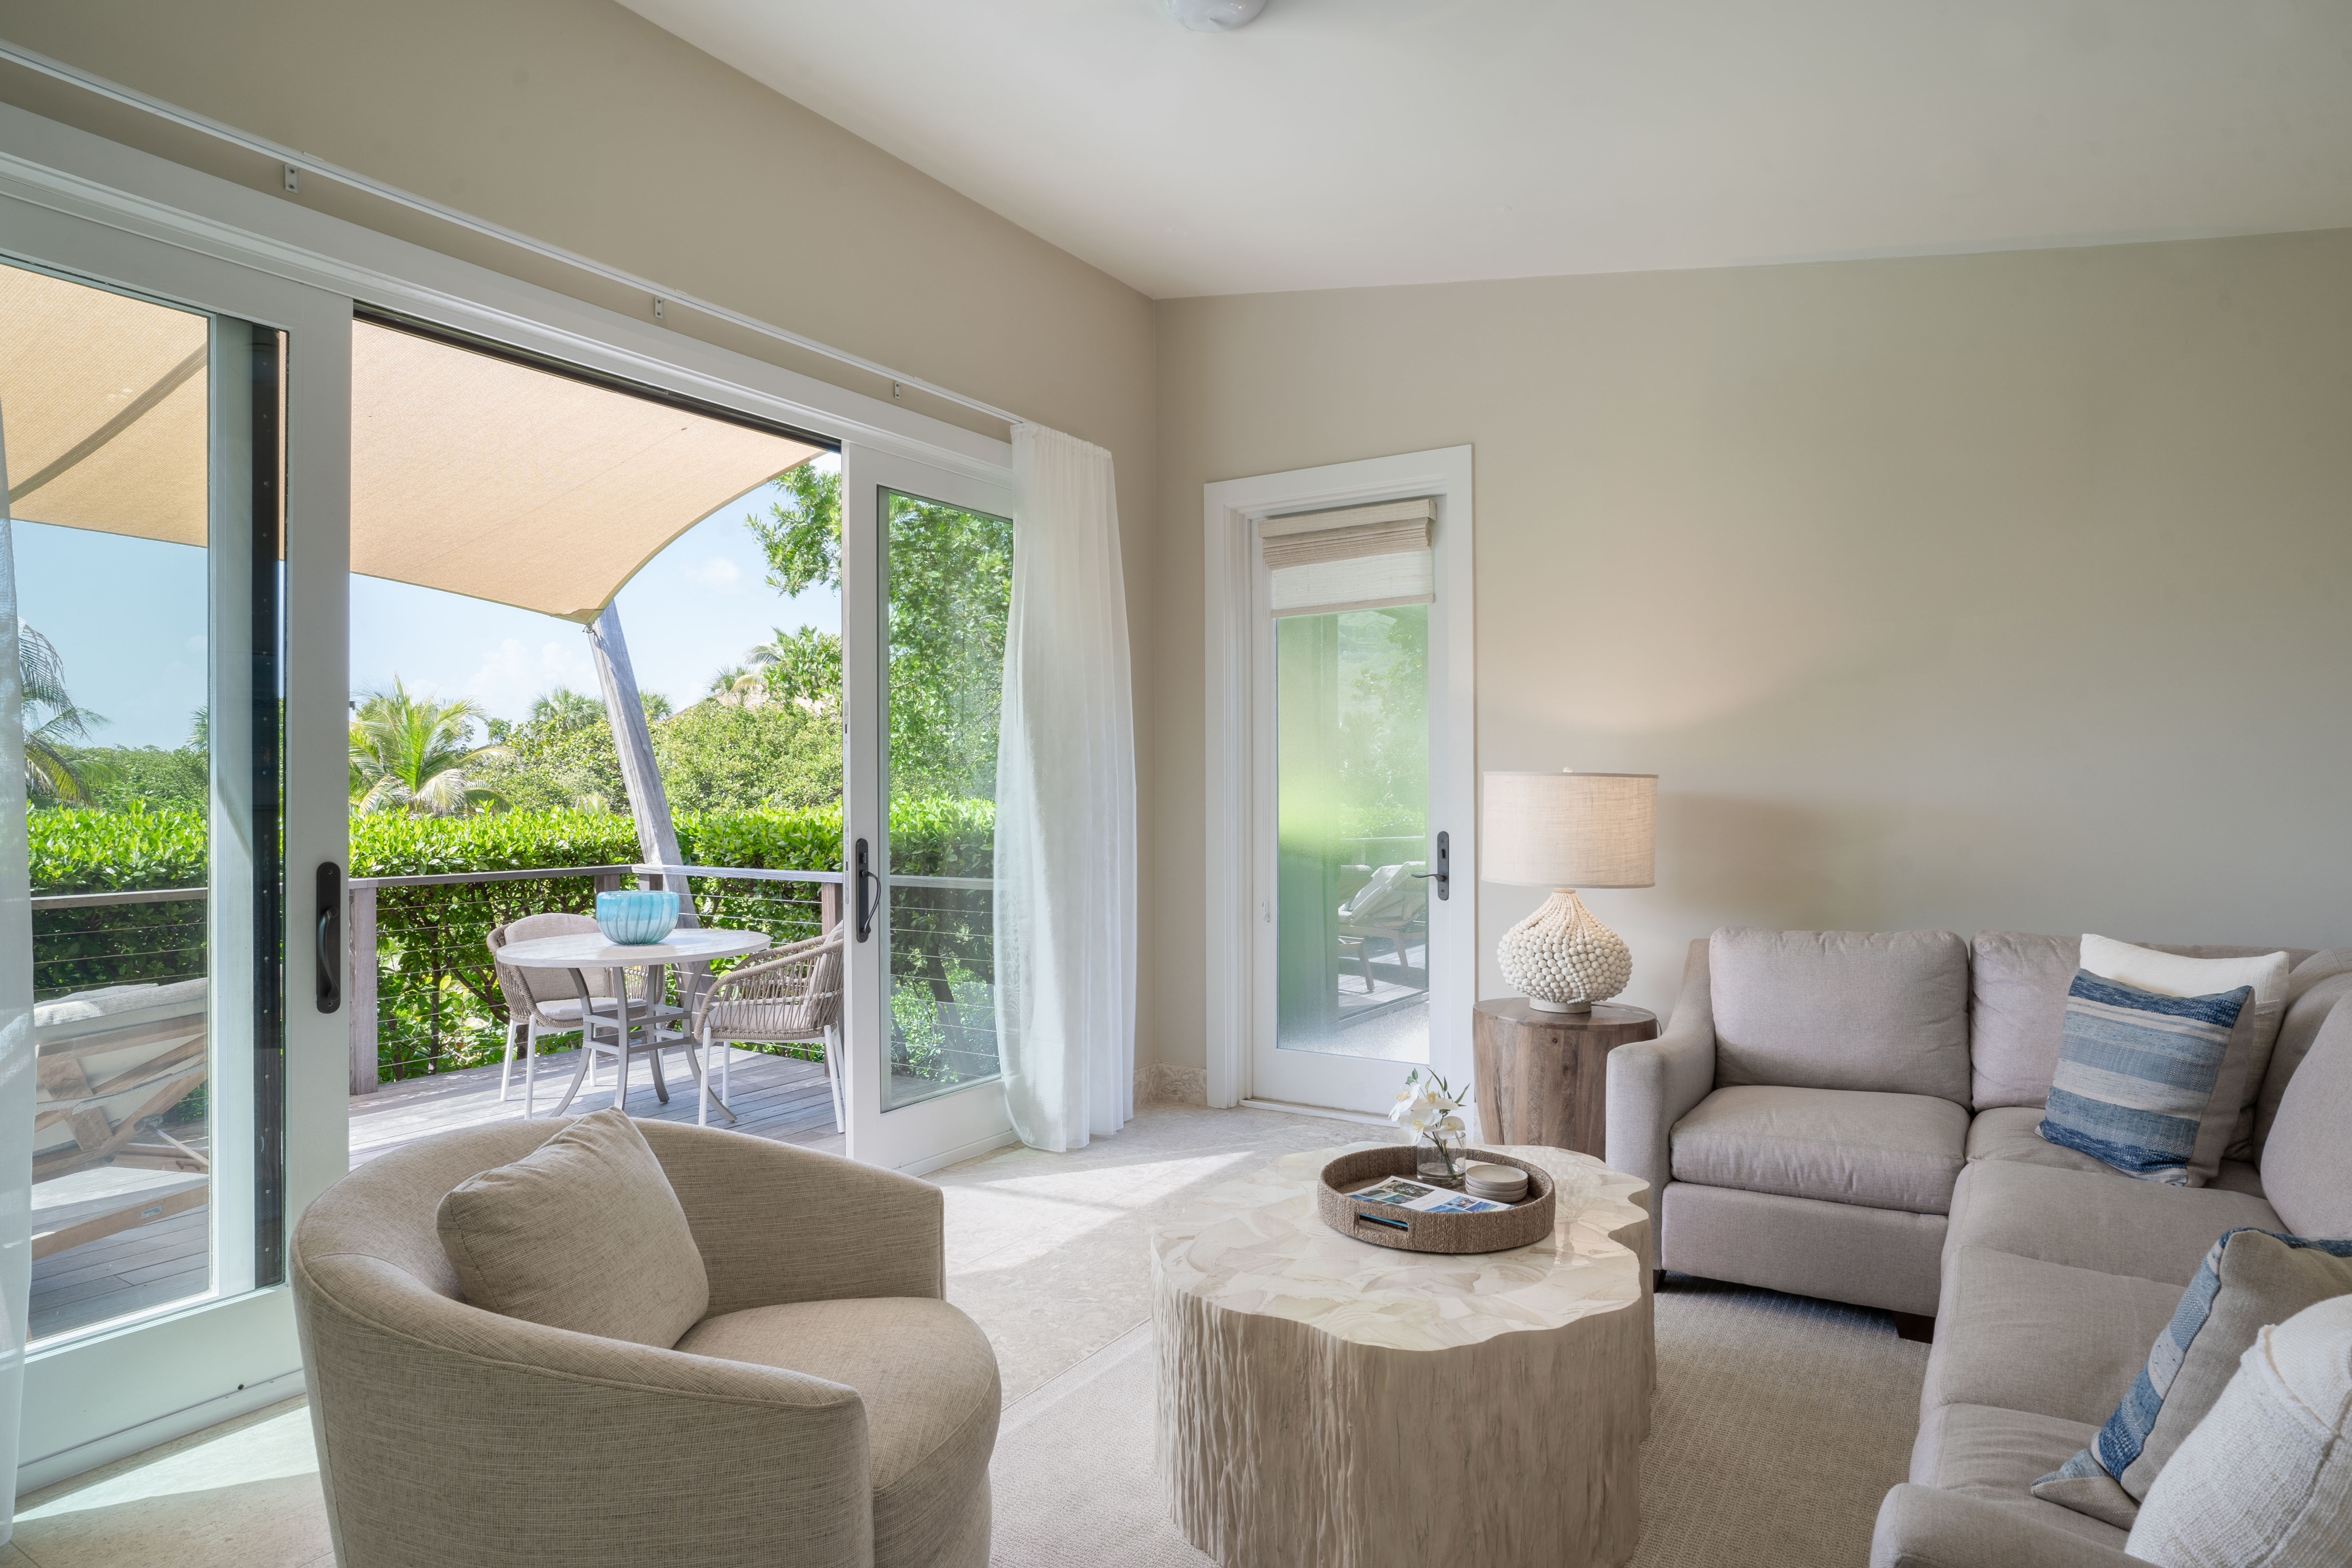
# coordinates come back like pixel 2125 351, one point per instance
pixel 1653 1083
pixel 1924 1527
pixel 778 1224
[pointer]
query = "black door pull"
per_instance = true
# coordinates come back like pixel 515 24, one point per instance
pixel 331 936
pixel 866 901
pixel 1444 874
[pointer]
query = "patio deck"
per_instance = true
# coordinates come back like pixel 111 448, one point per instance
pixel 777 1097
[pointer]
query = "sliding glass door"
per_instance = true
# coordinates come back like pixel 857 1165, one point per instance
pixel 926 580
pixel 152 400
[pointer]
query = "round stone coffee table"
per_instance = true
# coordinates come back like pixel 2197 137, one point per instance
pixel 1324 1403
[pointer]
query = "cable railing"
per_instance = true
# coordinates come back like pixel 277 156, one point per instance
pixel 423 997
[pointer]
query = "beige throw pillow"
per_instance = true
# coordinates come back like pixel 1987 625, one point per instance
pixel 2249 1050
pixel 583 1233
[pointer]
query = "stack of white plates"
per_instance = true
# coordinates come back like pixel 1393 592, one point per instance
pixel 1496 1183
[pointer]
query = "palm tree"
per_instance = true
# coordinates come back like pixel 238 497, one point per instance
pixel 738 686
pixel 413 754
pixel 566 709
pixel 52 722
pixel 801 666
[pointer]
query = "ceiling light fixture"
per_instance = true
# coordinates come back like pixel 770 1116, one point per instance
pixel 1213 16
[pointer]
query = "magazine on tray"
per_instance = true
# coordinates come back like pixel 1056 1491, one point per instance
pixel 1424 1199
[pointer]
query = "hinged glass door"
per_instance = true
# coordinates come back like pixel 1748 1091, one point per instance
pixel 926 580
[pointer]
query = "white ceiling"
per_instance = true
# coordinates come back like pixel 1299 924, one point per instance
pixel 1343 142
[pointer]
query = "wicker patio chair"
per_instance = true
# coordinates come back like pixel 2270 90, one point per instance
pixel 794 995
pixel 545 1002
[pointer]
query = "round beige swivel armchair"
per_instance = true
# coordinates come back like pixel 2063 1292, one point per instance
pixel 831 1410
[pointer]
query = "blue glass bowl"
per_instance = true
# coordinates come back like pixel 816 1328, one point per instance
pixel 635 919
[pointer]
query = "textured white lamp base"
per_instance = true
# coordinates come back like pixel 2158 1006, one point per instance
pixel 1563 959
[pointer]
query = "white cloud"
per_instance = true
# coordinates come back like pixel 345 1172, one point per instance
pixel 514 675
pixel 718 574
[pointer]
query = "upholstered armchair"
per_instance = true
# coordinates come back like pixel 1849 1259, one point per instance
pixel 830 1410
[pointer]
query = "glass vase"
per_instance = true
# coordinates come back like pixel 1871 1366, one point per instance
pixel 1437 1161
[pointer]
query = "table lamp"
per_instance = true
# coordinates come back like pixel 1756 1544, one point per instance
pixel 1566 830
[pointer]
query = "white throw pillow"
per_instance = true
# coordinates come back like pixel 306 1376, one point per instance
pixel 2240 1078
pixel 2266 1479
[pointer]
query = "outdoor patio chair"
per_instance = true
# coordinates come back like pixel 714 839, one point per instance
pixel 794 994
pixel 1393 907
pixel 545 1001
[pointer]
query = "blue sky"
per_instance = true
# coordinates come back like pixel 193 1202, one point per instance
pixel 128 619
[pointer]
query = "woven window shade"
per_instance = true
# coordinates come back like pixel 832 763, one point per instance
pixel 1363 557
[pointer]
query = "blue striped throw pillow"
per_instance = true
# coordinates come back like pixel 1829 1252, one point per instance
pixel 2272 1277
pixel 2135 1071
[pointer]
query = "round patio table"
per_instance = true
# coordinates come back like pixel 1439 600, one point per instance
pixel 589 950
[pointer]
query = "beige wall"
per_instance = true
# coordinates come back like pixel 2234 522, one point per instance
pixel 579 123
pixel 2006 590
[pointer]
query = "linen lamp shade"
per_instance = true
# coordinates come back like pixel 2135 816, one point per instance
pixel 1571 829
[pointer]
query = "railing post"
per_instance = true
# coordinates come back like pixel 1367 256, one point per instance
pixel 359 990
pixel 828 908
pixel 608 882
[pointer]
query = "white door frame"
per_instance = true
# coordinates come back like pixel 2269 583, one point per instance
pixel 962 1123
pixel 91 1399
pixel 1239 799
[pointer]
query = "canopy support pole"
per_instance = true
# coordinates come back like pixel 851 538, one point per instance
pixel 633 739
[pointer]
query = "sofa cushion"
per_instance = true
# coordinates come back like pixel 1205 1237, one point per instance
pixel 2017 1006
pixel 2098 1220
pixel 2307 1160
pixel 1880 1151
pixel 2313 989
pixel 583 1233
pixel 2044 1338
pixel 2143 1078
pixel 2229 1119
pixel 930 1382
pixel 1884 1012
pixel 2250 1279
pixel 1985 1451
pixel 2266 1479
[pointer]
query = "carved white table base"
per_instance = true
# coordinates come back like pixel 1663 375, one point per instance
pixel 1328 1403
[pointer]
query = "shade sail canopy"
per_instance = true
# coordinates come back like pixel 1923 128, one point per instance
pixel 470 472
pixel 104 399
pixel 482 477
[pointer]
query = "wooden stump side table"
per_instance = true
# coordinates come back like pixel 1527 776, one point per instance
pixel 1543 1078
pixel 1323 1401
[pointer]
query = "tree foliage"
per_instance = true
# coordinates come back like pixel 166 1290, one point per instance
pixel 54 724
pixel 949 590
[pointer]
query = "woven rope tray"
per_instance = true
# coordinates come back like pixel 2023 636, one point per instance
pixel 1528 1220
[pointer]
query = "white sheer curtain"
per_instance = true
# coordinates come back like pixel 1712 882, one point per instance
pixel 1065 804
pixel 15 1026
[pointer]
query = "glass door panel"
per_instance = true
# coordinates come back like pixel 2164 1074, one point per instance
pixel 1351 810
pixel 947 579
pixel 144 450
pixel 927 560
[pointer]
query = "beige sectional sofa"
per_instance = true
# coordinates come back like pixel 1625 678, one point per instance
pixel 1852 1116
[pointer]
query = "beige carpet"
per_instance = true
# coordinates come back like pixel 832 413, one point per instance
pixel 1779 1424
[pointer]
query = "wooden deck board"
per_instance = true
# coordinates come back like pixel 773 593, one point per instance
pixel 779 1098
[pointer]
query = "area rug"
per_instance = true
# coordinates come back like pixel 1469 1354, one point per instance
pixel 1779 1424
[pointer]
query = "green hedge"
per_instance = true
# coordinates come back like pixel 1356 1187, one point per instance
pixel 123 851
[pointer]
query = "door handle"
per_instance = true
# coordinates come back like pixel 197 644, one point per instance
pixel 1444 874
pixel 330 936
pixel 866 901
